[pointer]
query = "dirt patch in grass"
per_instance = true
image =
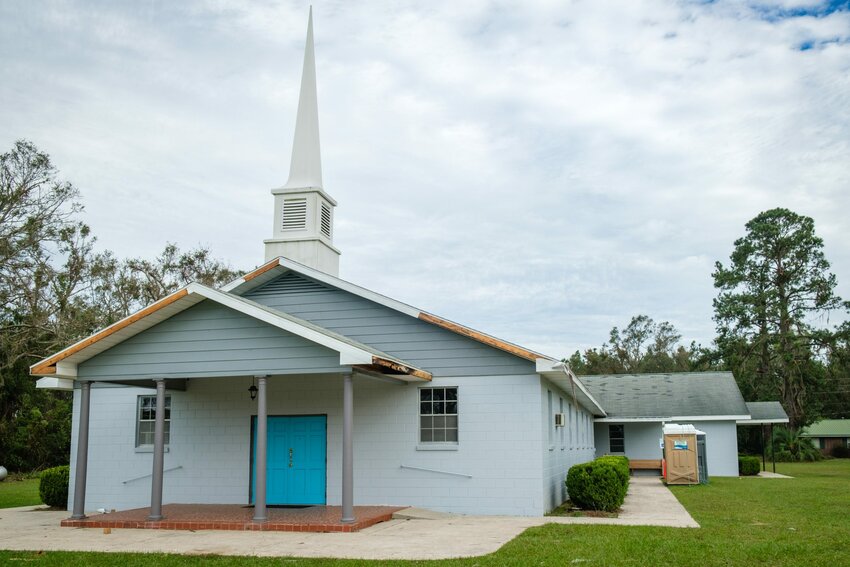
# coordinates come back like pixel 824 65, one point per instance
pixel 570 510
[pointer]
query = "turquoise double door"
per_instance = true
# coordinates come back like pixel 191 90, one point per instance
pixel 296 460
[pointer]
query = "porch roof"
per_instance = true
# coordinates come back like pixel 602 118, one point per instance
pixel 352 353
pixel 764 412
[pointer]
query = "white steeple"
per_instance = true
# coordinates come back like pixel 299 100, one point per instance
pixel 303 216
pixel 305 170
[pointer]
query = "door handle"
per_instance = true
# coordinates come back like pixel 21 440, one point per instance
pixel 290 457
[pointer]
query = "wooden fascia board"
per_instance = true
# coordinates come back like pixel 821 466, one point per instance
pixel 480 337
pixel 403 368
pixel 48 365
pixel 261 270
pixel 270 265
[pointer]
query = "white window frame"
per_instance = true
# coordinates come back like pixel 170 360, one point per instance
pixel 445 428
pixel 610 449
pixel 151 419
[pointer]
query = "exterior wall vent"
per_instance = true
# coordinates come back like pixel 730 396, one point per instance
pixel 326 220
pixel 294 214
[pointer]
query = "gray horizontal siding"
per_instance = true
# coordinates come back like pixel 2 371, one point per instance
pixel 209 339
pixel 422 344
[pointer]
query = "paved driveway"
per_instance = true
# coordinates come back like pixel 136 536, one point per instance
pixel 648 503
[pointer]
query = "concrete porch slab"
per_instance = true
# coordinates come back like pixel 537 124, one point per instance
pixel 768 474
pixel 421 514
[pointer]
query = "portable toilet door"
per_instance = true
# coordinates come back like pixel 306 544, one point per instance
pixel 702 459
pixel 680 453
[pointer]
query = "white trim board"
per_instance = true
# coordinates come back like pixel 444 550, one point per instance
pixel 674 418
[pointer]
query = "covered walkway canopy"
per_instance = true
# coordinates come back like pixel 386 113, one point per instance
pixel 765 414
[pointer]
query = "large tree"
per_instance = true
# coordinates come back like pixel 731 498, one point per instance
pixel 771 297
pixel 55 289
pixel 642 346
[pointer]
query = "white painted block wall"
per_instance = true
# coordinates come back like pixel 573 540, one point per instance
pixel 721 444
pixel 563 447
pixel 641 440
pixel 499 429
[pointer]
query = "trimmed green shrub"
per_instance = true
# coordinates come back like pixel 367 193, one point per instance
pixel 748 465
pixel 53 487
pixel 599 484
pixel 620 464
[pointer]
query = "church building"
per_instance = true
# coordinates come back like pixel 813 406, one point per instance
pixel 354 397
pixel 292 386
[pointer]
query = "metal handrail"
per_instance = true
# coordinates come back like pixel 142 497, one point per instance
pixel 150 474
pixel 435 471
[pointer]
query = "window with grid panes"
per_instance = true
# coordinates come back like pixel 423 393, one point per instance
pixel 146 420
pixel 617 438
pixel 438 415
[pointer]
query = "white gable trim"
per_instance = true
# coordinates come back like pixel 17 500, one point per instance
pixel 763 421
pixel 560 373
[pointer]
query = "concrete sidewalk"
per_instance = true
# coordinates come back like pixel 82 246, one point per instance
pixel 649 502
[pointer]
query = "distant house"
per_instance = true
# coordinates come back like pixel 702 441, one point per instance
pixel 828 434
pixel 638 405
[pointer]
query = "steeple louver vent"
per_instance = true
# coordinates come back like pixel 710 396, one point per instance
pixel 326 220
pixel 294 214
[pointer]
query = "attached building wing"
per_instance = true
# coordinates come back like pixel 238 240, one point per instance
pixel 693 396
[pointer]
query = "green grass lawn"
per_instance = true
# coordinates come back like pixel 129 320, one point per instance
pixel 749 522
pixel 15 492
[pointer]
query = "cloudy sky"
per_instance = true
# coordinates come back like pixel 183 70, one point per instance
pixel 538 170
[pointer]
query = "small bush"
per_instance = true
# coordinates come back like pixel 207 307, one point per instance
pixel 840 452
pixel 791 447
pixel 53 487
pixel 599 484
pixel 748 465
pixel 620 464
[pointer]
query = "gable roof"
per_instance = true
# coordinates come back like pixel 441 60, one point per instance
pixel 279 266
pixel 351 352
pixel 695 396
pixel 765 412
pixel 828 428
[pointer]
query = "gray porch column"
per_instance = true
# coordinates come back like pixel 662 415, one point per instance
pixel 347 449
pixel 260 514
pixel 79 511
pixel 158 453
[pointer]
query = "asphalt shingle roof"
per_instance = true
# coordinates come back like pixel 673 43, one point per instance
pixel 667 395
pixel 760 411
